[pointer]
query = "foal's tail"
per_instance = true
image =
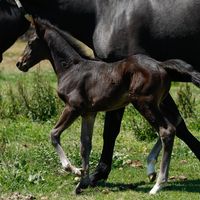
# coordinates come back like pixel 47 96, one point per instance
pixel 181 71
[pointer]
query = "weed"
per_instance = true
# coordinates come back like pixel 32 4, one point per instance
pixel 186 101
pixel 43 100
pixel 140 127
pixel 36 100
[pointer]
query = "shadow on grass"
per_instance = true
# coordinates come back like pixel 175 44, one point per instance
pixel 145 187
pixel 106 187
pixel 120 186
pixel 187 186
pixel 183 186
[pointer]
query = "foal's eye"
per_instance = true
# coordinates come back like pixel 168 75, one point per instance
pixel 63 63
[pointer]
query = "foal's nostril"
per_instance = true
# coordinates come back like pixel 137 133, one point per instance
pixel 18 64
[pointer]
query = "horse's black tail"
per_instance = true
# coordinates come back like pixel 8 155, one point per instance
pixel 180 71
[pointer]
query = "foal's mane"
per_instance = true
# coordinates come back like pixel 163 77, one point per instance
pixel 10 2
pixel 73 42
pixel 49 25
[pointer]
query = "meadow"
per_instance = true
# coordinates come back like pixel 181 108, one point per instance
pixel 30 168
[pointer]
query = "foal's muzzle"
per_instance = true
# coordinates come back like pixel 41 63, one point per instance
pixel 22 66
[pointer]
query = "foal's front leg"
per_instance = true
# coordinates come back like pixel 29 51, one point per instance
pixel 111 130
pixel 66 119
pixel 86 146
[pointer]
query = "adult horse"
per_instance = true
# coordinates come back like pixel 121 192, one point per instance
pixel 116 29
pixel 12 23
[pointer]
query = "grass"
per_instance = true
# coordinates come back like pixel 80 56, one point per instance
pixel 29 166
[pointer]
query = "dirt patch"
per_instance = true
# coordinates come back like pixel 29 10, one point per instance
pixel 18 196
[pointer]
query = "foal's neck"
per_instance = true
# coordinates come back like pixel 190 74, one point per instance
pixel 63 56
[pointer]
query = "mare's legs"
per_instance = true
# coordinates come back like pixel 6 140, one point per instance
pixel 181 132
pixel 86 146
pixel 163 122
pixel 111 130
pixel 66 119
pixel 184 134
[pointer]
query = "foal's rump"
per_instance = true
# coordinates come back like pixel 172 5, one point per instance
pixel 177 70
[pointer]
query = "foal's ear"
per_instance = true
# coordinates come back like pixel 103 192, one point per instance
pixel 39 28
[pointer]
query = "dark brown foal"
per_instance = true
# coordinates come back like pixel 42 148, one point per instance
pixel 90 86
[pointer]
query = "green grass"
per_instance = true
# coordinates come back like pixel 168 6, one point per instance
pixel 30 166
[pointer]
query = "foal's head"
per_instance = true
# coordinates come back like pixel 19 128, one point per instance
pixel 35 51
pixel 49 42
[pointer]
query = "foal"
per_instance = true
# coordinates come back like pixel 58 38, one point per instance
pixel 89 86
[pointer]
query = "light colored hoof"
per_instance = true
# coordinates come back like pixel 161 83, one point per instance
pixel 156 188
pixel 152 177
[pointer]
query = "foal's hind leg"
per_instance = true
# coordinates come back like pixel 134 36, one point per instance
pixel 161 122
pixel 168 106
pixel 181 132
pixel 86 146
pixel 66 119
pixel 167 134
pixel 169 110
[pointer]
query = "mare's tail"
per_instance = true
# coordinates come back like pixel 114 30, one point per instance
pixel 180 71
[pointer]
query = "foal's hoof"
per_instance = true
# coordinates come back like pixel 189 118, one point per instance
pixel 84 183
pixel 78 190
pixel 152 177
pixel 101 173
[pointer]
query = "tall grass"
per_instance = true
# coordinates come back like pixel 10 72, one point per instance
pixel 36 101
pixel 138 124
pixel 186 101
